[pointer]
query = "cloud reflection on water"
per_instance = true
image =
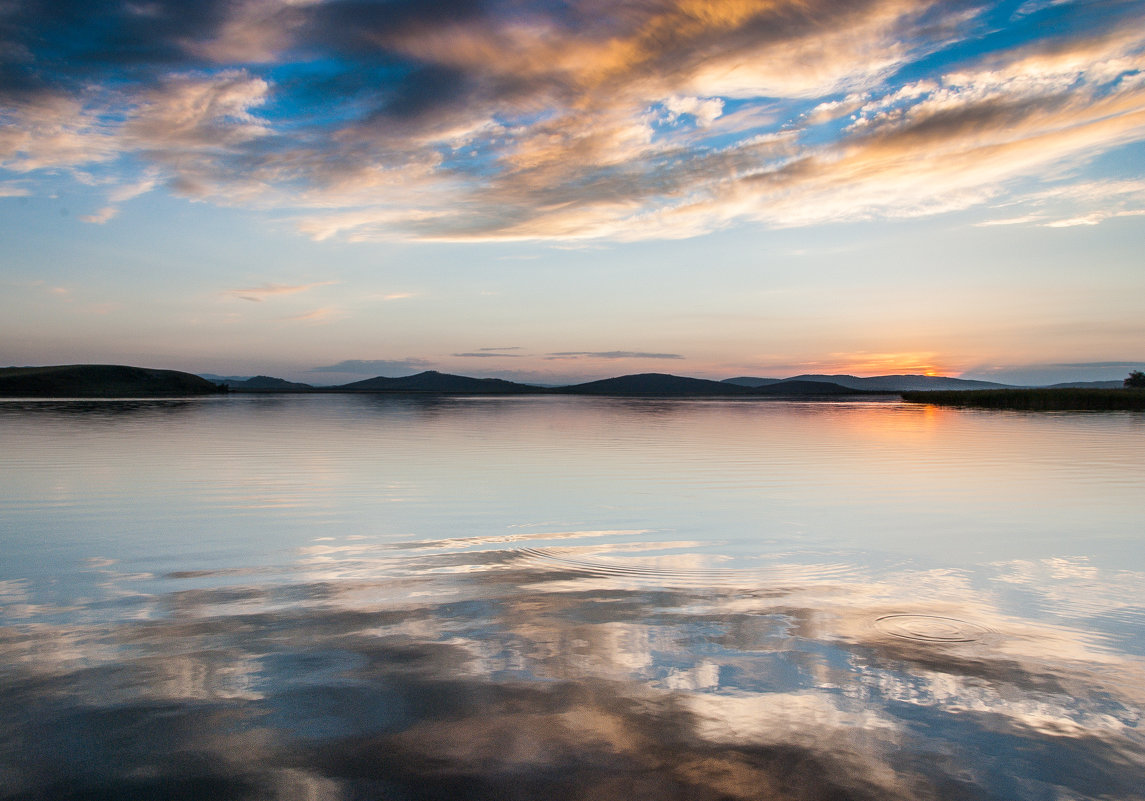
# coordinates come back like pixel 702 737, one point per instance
pixel 465 669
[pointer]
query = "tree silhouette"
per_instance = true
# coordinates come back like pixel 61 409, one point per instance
pixel 1136 380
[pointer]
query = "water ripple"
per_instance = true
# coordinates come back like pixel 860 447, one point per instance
pixel 674 570
pixel 930 628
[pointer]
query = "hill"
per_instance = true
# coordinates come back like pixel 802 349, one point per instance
pixel 265 383
pixel 750 381
pixel 656 384
pixel 1088 385
pixel 880 383
pixel 215 378
pixel 795 386
pixel 433 381
pixel 100 381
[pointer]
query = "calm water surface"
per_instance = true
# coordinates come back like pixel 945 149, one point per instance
pixel 356 597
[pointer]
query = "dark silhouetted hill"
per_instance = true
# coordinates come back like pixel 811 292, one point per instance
pixel 215 378
pixel 664 385
pixel 749 381
pixel 1120 384
pixel 795 386
pixel 660 384
pixel 433 381
pixel 265 383
pixel 880 383
pixel 100 381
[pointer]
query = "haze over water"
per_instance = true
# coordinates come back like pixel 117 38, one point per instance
pixel 352 597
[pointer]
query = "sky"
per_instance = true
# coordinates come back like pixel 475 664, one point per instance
pixel 325 190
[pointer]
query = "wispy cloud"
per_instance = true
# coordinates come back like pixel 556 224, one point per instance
pixel 260 293
pixel 484 354
pixel 1094 218
pixel 1025 219
pixel 611 354
pixel 122 194
pixel 323 315
pixel 1078 204
pixel 101 216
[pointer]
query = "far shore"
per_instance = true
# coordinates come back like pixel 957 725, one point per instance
pixel 1050 399
pixel 121 381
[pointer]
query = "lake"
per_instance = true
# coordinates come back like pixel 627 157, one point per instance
pixel 382 597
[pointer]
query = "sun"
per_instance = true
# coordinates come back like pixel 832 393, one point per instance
pixel 897 363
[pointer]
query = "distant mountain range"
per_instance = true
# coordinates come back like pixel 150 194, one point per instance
pixel 660 384
pixel 641 385
pixel 122 381
pixel 881 383
pixel 1088 385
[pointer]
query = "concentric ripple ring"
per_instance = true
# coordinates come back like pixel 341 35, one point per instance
pixel 930 628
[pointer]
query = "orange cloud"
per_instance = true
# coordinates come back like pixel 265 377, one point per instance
pixel 863 363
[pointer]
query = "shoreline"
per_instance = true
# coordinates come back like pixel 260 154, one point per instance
pixel 1034 399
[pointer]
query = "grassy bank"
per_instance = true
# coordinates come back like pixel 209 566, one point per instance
pixel 1035 399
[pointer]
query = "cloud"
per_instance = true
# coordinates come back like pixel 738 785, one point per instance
pixel 101 216
pixel 1095 218
pixel 325 314
pixel 127 192
pixel 251 31
pixel 704 112
pixel 473 121
pixel 49 131
pixel 374 366
pixel 1035 6
pixel 192 112
pixel 1073 204
pixel 1023 220
pixel 612 354
pixel 1073 222
pixel 490 353
pixel 260 293
pixel 483 354
pixel 926 148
